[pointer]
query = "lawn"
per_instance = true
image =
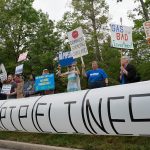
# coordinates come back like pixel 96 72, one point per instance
pixel 87 142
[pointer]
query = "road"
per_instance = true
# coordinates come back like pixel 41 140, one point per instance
pixel 4 149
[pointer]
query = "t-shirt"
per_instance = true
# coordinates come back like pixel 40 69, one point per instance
pixel 95 78
pixel 73 82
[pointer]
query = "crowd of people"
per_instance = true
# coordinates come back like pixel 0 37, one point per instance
pixel 96 78
pixel 19 87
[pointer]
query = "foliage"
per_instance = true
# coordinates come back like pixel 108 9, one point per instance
pixel 92 16
pixel 22 28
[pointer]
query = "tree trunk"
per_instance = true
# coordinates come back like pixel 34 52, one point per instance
pixel 145 11
pixel 98 53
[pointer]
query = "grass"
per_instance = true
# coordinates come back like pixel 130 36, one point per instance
pixel 87 142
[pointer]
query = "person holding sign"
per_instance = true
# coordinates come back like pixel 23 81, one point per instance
pixel 28 88
pixel 97 77
pixel 50 91
pixel 73 78
pixel 127 72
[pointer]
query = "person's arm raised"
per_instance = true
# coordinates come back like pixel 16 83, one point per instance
pixel 83 70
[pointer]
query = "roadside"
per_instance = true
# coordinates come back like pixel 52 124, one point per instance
pixel 27 146
pixel 74 141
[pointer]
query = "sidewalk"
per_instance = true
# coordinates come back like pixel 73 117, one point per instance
pixel 27 146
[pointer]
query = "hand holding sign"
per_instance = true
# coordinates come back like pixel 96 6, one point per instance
pixel 6 88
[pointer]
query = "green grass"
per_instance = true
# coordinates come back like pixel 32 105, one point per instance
pixel 87 142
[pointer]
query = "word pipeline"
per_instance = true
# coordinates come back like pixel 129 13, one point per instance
pixel 115 110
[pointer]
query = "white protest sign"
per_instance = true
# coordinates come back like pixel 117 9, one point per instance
pixel 116 110
pixel 3 73
pixel 147 30
pixel 22 56
pixel 77 43
pixel 121 36
pixel 6 88
pixel 19 69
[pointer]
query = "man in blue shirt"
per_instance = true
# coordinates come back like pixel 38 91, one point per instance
pixel 96 77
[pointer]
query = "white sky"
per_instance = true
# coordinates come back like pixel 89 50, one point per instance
pixel 56 9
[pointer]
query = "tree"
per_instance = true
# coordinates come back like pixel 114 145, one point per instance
pixel 92 15
pixel 145 7
pixel 16 27
pixel 22 28
pixel 44 45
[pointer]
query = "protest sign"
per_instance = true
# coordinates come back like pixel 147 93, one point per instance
pixel 19 69
pixel 147 30
pixel 6 88
pixel 65 58
pixel 77 43
pixel 121 36
pixel 3 73
pixel 22 56
pixel 45 82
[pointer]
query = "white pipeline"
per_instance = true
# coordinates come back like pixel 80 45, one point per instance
pixel 114 110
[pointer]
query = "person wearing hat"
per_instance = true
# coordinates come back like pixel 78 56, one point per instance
pixel 127 71
pixel 46 92
pixel 45 71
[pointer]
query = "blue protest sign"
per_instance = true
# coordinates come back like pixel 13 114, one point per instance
pixel 45 82
pixel 66 59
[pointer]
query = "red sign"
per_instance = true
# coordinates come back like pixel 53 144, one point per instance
pixel 75 34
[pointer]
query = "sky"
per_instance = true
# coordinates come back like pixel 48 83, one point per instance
pixel 56 9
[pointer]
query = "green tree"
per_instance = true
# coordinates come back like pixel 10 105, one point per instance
pixel 145 5
pixel 44 45
pixel 17 24
pixel 22 28
pixel 92 16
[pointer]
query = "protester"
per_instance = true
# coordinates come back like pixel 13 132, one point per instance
pixel 13 92
pixel 96 77
pixel 28 88
pixel 16 78
pixel 128 72
pixel 73 78
pixel 20 84
pixel 46 92
pixel 45 71
pixel 58 70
